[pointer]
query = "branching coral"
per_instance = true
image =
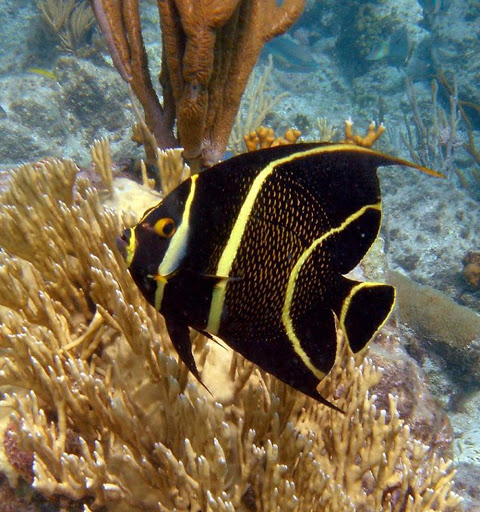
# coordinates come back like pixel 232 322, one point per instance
pixel 327 132
pixel 100 151
pixel 372 135
pixel 436 142
pixel 264 137
pixel 112 419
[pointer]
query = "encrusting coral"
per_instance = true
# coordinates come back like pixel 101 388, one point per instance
pixel 113 420
pixel 471 269
pixel 451 330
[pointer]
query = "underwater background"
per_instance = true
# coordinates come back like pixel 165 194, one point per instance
pixel 412 65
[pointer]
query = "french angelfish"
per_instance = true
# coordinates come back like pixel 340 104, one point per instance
pixel 254 250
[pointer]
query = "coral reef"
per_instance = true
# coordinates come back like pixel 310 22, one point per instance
pixel 429 225
pixel 456 32
pixel 111 418
pixel 21 22
pixel 45 117
pixel 451 330
pixel 371 26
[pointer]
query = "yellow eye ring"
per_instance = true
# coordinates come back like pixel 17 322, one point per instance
pixel 165 227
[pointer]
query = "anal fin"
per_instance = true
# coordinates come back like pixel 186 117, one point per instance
pixel 314 339
pixel 299 351
pixel 316 346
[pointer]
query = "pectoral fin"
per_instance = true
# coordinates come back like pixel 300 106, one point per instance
pixel 219 279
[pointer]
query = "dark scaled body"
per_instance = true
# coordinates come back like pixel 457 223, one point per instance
pixel 255 249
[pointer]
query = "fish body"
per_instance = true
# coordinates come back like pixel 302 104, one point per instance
pixel 255 249
pixel 290 56
pixel 379 51
pixel 44 72
pixel 396 50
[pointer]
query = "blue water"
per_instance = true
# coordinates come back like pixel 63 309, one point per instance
pixel 413 66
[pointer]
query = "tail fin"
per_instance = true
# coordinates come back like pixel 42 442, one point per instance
pixel 364 310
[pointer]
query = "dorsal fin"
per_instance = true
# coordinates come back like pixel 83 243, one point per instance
pixel 393 160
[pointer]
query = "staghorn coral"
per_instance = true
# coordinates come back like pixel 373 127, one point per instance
pixel 372 135
pixel 264 137
pixel 327 132
pixel 112 419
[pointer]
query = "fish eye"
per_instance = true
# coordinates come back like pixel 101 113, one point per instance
pixel 165 227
